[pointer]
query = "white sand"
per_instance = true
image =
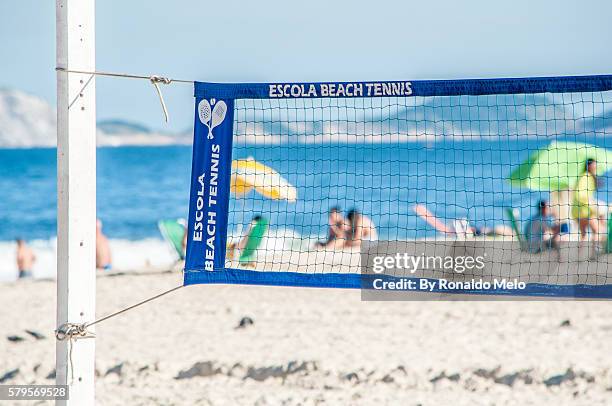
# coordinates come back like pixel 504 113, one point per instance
pixel 311 346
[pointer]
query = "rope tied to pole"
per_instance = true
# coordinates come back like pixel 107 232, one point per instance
pixel 76 331
pixel 155 80
pixel 72 332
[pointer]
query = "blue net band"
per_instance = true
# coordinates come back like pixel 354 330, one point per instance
pixel 468 87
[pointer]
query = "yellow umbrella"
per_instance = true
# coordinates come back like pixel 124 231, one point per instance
pixel 248 174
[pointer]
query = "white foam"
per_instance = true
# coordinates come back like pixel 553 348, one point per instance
pixel 279 239
pixel 284 239
pixel 150 253
pixel 127 255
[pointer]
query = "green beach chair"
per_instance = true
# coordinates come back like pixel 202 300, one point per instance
pixel 514 224
pixel 609 242
pixel 248 255
pixel 173 232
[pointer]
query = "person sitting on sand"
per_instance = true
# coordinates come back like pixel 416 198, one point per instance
pixel 362 228
pixel 542 231
pixel 103 252
pixel 25 259
pixel 338 230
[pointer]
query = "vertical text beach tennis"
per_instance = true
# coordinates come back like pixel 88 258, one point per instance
pixel 211 216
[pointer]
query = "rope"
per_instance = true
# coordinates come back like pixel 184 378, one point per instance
pixel 131 307
pixel 81 91
pixel 123 75
pixel 73 331
pixel 154 79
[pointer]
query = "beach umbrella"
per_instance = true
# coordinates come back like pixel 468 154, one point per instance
pixel 559 165
pixel 248 174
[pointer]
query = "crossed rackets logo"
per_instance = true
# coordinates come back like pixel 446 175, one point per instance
pixel 212 117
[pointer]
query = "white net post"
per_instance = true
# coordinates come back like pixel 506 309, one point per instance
pixel 76 210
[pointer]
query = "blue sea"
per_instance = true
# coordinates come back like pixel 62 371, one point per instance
pixel 137 186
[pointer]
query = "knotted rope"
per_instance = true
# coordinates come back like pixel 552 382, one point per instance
pixel 154 79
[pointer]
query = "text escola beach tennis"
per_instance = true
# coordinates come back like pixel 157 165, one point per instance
pixel 305 204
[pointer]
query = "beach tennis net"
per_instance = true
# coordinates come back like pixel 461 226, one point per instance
pixel 372 184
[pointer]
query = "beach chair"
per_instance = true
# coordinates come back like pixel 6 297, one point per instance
pixel 173 231
pixel 248 255
pixel 515 226
pixel 609 242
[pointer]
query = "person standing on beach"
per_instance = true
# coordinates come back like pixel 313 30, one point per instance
pixel 586 209
pixel 25 259
pixel 103 252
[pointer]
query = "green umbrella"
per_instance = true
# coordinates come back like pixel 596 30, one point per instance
pixel 558 166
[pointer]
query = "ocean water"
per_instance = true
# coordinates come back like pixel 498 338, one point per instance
pixel 137 186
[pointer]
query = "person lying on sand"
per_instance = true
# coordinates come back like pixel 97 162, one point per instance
pixel 460 227
pixel 25 259
pixel 362 228
pixel 541 231
pixel 338 230
pixel 103 252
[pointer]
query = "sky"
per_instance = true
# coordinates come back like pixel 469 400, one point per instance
pixel 293 41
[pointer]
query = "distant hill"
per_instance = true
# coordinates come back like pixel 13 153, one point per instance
pixel 29 121
pixel 122 127
pixel 600 123
pixel 120 132
pixel 25 120
pixel 430 119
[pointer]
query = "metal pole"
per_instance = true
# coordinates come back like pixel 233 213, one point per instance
pixel 76 194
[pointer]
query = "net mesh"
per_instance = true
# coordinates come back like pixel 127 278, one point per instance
pixel 409 169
